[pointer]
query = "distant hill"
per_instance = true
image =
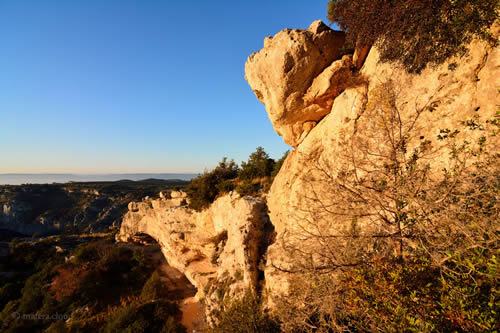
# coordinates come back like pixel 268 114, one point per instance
pixel 29 178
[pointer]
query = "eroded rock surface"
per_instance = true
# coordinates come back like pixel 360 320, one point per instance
pixel 217 249
pixel 460 90
pixel 317 100
pixel 282 72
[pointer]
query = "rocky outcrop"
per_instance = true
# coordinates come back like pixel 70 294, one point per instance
pixel 11 215
pixel 218 249
pixel 320 103
pixel 282 72
pixel 49 209
pixel 316 114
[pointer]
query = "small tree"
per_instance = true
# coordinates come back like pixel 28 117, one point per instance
pixel 259 165
pixel 154 288
pixel 417 32
pixel 203 189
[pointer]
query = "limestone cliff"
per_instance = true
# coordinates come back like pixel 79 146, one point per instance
pixel 283 71
pixel 317 99
pixel 218 249
pixel 319 112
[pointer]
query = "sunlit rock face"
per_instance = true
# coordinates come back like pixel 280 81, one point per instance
pixel 283 71
pixel 220 246
pixel 293 76
pixel 300 76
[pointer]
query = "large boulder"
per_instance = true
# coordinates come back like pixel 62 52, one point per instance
pixel 461 89
pixel 282 72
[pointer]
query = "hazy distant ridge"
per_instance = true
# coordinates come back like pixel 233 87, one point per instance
pixel 48 178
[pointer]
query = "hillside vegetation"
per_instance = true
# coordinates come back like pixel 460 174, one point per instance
pixel 250 178
pixel 100 286
pixel 415 33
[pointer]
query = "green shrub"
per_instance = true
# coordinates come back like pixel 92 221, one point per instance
pixel 104 277
pixel 9 291
pixel 57 327
pixel 415 295
pixel 154 288
pixel 203 189
pixel 247 187
pixel 157 316
pixel 91 252
pixel 415 33
pixel 226 186
pixel 259 165
pixel 254 175
pixel 245 315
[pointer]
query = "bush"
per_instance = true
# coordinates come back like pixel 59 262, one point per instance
pixel 407 246
pixel 259 165
pixel 246 315
pixel 203 189
pixel 414 295
pixel 254 175
pixel 104 278
pixel 154 288
pixel 417 32
pixel 9 291
pixel 247 187
pixel 67 281
pixel 150 317
pixel 226 186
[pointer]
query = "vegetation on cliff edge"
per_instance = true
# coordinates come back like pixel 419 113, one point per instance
pixel 418 32
pixel 253 176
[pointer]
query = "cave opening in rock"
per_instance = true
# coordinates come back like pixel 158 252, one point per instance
pixel 179 288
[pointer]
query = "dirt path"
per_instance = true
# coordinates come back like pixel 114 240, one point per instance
pixel 179 285
pixel 190 313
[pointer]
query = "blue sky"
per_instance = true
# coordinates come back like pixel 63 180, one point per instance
pixel 101 86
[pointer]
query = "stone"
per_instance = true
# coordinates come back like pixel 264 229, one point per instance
pixel 281 73
pixel 468 91
pixel 178 194
pixel 194 243
pixel 326 86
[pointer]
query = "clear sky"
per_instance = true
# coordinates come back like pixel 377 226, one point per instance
pixel 103 86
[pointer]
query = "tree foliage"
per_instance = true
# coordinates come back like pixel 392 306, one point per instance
pixel 203 189
pixel 259 165
pixel 158 316
pixel 253 176
pixel 417 32
pixel 413 294
pixel 154 288
pixel 103 286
